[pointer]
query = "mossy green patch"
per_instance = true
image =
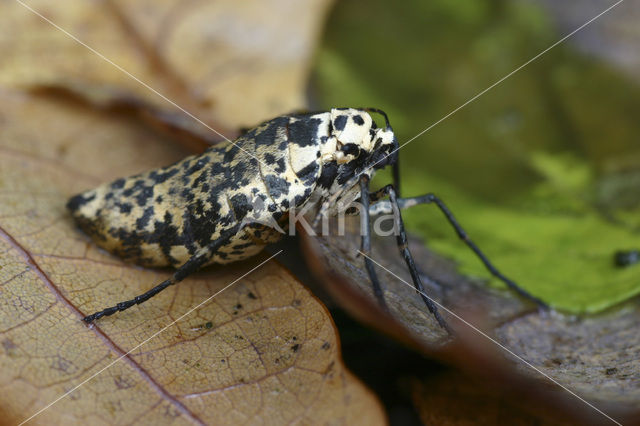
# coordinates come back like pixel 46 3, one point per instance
pixel 543 170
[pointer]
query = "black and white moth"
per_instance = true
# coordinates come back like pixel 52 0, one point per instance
pixel 194 213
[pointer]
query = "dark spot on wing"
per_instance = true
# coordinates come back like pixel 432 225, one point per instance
pixel 241 206
pixel 145 193
pixel 298 200
pixel 143 220
pixel 269 134
pixel 160 176
pixel 124 207
pixel 281 165
pixel 269 158
pixel 187 194
pixel 79 200
pixel 118 184
pixel 276 186
pixel 308 173
pixel 304 132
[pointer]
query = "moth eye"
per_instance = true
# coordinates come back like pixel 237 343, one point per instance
pixel 351 148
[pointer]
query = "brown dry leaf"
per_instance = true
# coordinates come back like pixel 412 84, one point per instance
pixel 596 357
pixel 264 350
pixel 227 62
pixel 411 322
pixel 452 399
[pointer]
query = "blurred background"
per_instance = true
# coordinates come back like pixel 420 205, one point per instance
pixel 544 168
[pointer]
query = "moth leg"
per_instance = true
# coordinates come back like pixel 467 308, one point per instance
pixel 192 265
pixel 403 246
pixel 387 207
pixel 365 245
pixel 322 212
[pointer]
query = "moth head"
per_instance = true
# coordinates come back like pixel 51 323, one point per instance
pixel 358 136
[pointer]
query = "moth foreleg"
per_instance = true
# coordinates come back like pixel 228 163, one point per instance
pixel 403 246
pixel 365 245
pixel 386 207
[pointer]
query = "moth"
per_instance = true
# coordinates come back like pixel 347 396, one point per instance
pixel 228 203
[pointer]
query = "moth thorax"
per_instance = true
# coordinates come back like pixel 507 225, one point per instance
pixel 354 135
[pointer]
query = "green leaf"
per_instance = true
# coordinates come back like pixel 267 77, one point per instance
pixel 543 170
